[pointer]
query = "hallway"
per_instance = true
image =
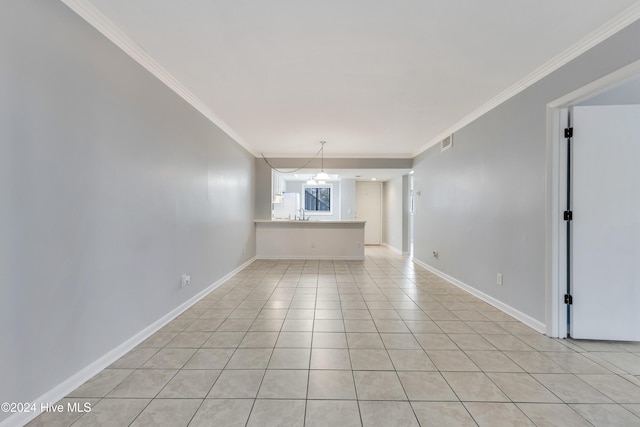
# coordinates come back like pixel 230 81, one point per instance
pixel 380 342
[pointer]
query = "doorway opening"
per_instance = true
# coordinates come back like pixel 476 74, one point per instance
pixel 560 236
pixel 411 213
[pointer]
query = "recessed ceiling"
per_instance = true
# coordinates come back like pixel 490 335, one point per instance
pixel 372 78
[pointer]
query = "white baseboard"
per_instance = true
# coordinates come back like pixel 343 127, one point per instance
pixel 311 257
pixel 85 374
pixel 524 318
pixel 393 249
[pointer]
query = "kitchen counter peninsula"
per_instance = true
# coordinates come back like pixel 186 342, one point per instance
pixel 309 239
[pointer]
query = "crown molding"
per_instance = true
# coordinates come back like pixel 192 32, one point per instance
pixel 100 22
pixel 113 33
pixel 619 22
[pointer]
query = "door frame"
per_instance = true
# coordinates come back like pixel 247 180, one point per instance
pixel 556 194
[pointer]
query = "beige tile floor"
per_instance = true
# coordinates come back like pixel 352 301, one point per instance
pixel 380 342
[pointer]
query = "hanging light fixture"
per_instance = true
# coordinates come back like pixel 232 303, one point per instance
pixel 322 175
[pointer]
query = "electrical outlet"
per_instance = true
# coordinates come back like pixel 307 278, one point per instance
pixel 185 280
pixel 499 279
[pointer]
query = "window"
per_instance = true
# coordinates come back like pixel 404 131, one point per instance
pixel 318 198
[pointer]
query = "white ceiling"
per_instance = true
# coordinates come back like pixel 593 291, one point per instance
pixel 372 78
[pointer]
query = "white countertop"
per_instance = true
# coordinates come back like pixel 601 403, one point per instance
pixel 314 222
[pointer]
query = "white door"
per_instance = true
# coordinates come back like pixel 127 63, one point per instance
pixel 606 223
pixel 369 208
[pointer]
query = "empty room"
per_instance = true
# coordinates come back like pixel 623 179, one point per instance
pixel 339 213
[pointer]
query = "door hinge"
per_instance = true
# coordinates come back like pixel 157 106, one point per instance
pixel 568 299
pixel 568 215
pixel 568 132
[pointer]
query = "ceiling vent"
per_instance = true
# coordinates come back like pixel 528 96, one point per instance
pixel 446 143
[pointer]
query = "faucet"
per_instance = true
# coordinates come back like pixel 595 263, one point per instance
pixel 302 218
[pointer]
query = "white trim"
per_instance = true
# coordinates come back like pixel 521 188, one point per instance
pixel 619 22
pixel 312 257
pixel 555 245
pixel 85 374
pixel 341 156
pixel 597 87
pixel 106 27
pixel 527 320
pixel 394 249
pixel 555 250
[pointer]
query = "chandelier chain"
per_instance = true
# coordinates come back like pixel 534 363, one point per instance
pixel 321 150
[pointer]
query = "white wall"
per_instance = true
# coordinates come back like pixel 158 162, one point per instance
pixel 392 201
pixel 111 187
pixel 347 199
pixel 310 240
pixel 482 203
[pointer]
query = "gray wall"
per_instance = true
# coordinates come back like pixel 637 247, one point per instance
pixel 111 187
pixel 392 213
pixel 627 93
pixel 339 163
pixel 263 181
pixel 482 202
